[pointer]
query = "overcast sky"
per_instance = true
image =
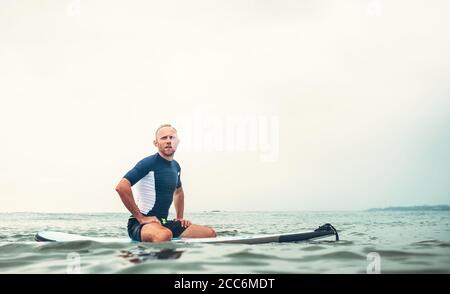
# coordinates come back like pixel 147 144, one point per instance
pixel 280 105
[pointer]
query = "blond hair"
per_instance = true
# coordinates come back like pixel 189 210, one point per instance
pixel 163 126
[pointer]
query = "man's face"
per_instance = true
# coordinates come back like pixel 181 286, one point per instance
pixel 166 141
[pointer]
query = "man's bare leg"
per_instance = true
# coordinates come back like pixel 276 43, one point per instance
pixel 197 231
pixel 154 232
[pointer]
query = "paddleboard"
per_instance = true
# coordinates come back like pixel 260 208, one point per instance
pixel 324 231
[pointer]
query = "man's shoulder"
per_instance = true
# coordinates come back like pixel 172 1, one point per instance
pixel 177 164
pixel 149 160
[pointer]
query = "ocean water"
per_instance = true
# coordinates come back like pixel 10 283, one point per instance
pixel 385 242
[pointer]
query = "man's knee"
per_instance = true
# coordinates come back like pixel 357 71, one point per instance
pixel 212 232
pixel 161 235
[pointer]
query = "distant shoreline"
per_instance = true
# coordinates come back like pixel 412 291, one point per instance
pixel 443 207
pixel 414 208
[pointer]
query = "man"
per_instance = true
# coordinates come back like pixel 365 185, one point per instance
pixel 157 180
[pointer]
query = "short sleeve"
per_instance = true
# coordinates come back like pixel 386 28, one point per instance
pixel 179 177
pixel 141 169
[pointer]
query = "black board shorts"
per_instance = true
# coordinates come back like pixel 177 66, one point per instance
pixel 134 228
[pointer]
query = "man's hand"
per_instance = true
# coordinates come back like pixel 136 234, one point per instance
pixel 148 220
pixel 184 222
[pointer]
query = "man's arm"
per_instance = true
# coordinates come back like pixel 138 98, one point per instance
pixel 126 195
pixel 179 202
pixel 179 207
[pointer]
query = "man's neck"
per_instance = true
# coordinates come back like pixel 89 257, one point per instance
pixel 169 158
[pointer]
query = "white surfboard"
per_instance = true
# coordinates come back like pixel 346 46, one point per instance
pixel 324 231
